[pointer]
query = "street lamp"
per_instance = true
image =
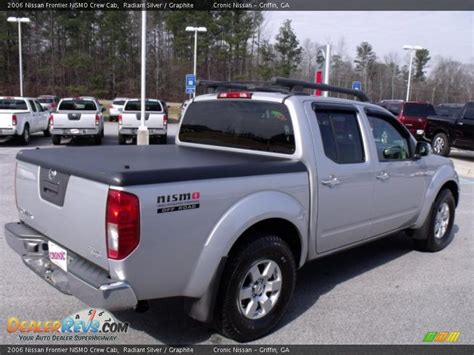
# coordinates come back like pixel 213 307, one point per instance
pixel 195 30
pixel 143 137
pixel 412 50
pixel 19 20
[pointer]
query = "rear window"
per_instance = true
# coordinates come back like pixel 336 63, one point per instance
pixel 11 104
pixel 45 101
pixel 448 111
pixel 393 107
pixel 135 105
pixel 421 110
pixel 254 125
pixel 77 105
pixel 118 102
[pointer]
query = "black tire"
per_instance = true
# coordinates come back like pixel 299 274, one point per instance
pixel 25 137
pixel 440 144
pixel 47 132
pixel 56 140
pixel 122 139
pixel 98 139
pixel 229 317
pixel 163 139
pixel 425 238
pixel 102 134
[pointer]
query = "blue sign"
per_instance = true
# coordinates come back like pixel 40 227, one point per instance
pixel 356 85
pixel 190 83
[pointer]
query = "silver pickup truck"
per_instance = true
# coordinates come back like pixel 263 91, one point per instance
pixel 259 182
pixel 77 117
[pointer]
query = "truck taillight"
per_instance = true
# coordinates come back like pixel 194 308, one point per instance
pixel 14 120
pixel 120 120
pixel 97 120
pixel 165 120
pixel 122 224
pixel 51 121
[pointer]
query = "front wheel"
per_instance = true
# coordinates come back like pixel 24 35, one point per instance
pixel 440 144
pixel 436 233
pixel 256 288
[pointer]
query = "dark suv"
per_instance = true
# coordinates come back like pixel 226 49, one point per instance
pixel 411 113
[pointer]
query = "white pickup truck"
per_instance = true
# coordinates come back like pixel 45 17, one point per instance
pixel 20 117
pixel 156 119
pixel 77 117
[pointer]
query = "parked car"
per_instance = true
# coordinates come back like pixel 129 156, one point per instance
pixel 412 114
pixel 455 131
pixel 448 110
pixel 20 117
pixel 258 184
pixel 77 117
pixel 48 102
pixel 156 119
pixel 116 108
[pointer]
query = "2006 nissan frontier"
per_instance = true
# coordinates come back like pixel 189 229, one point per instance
pixel 260 181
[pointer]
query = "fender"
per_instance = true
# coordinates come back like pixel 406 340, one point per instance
pixel 443 175
pixel 234 222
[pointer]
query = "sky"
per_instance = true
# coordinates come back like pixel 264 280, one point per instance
pixel 448 33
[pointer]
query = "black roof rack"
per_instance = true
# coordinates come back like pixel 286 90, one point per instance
pixel 299 85
pixel 277 84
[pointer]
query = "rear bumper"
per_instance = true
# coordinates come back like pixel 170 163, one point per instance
pixel 7 132
pixel 75 131
pixel 151 131
pixel 84 280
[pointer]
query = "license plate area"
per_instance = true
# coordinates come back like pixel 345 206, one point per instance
pixel 57 255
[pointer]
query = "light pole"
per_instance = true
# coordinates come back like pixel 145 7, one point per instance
pixel 195 30
pixel 412 50
pixel 143 137
pixel 19 20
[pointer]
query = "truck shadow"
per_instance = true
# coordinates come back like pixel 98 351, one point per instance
pixel 167 321
pixel 462 155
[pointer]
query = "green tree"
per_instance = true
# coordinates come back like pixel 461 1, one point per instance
pixel 288 48
pixel 422 57
pixel 267 61
pixel 365 62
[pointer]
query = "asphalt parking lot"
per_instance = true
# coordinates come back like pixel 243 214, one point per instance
pixel 380 293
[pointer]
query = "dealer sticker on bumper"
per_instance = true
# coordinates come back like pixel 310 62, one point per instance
pixel 57 255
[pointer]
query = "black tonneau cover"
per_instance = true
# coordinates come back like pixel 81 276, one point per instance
pixel 139 165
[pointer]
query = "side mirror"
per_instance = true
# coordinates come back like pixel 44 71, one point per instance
pixel 103 109
pixel 422 149
pixel 394 152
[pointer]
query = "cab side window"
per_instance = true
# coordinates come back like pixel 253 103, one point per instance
pixel 33 106
pixel 341 136
pixel 390 142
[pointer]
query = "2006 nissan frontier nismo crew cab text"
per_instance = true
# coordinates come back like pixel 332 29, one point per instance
pixel 261 180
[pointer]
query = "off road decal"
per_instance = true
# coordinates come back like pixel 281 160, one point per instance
pixel 178 202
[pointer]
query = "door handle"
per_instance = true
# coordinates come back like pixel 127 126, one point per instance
pixel 383 176
pixel 331 182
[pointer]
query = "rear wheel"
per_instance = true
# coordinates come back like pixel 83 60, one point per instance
pixel 56 140
pixel 163 139
pixel 256 287
pixel 440 144
pixel 98 139
pixel 47 132
pixel 122 139
pixel 436 233
pixel 25 137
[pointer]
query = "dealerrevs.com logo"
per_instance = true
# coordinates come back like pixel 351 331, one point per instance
pixel 88 324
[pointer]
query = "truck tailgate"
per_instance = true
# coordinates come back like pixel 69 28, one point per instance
pixel 152 119
pixel 6 118
pixel 75 120
pixel 67 209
